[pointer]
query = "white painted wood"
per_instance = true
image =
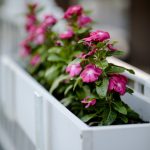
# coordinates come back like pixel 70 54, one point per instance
pixel 125 137
pixel 62 130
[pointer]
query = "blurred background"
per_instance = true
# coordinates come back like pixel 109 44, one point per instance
pixel 128 22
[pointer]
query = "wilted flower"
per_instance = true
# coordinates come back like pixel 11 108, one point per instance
pixel 73 10
pixel 83 20
pixel 74 69
pixel 110 47
pixel 88 101
pixel 35 60
pixel 67 34
pixel 97 36
pixel 91 73
pixel 117 83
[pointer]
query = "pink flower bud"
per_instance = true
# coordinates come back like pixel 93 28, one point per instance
pixel 84 20
pixel 67 35
pixel 49 21
pixel 73 10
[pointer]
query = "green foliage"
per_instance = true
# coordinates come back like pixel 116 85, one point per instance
pixel 119 106
pixel 118 69
pixel 102 88
pixel 109 116
pixel 86 118
pixel 51 73
pixel 57 81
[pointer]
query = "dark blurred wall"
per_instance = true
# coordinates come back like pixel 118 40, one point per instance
pixel 140 33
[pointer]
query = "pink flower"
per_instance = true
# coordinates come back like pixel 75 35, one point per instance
pixel 67 34
pixel 97 36
pixel 25 48
pixel 30 21
pixel 88 101
pixel 39 35
pixel 49 21
pixel 73 10
pixel 90 73
pixel 110 47
pixel 117 83
pixel 25 52
pixel 84 20
pixel 74 69
pixel 35 60
pixel 39 39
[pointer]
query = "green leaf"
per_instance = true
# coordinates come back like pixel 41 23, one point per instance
pixel 83 92
pixel 132 114
pixel 116 53
pixel 55 50
pixel 68 89
pixel 102 88
pixel 131 71
pixel 82 30
pixel 38 10
pixel 129 90
pixel 75 61
pixel 118 69
pixel 86 118
pixel 118 106
pixel 76 83
pixel 101 44
pixel 51 73
pixel 55 58
pixel 67 101
pixel 102 64
pixel 124 119
pixel 109 117
pixel 115 69
pixel 57 82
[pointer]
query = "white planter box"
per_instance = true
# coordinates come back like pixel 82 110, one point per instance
pixel 50 126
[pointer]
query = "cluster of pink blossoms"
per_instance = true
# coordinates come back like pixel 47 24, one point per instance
pixel 88 75
pixel 82 20
pixel 91 73
pixel 36 32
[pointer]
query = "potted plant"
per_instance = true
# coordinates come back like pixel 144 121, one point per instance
pixel 73 66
